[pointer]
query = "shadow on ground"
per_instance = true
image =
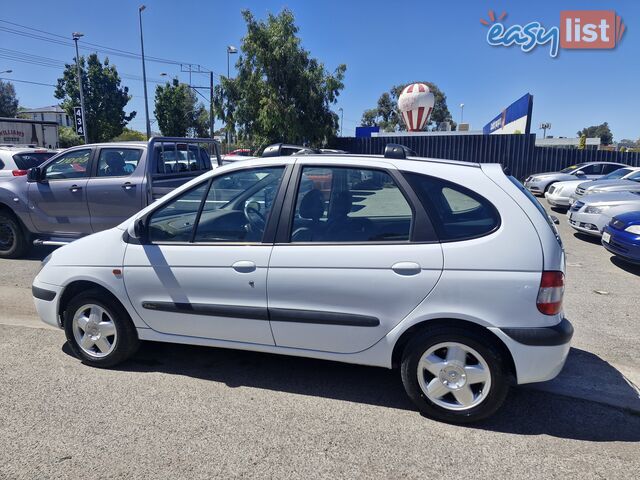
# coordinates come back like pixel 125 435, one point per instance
pixel 527 411
pixel 585 237
pixel 626 266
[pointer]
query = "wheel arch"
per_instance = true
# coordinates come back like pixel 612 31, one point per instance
pixel 79 286
pixel 484 332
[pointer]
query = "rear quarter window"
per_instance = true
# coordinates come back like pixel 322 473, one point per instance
pixel 25 161
pixel 457 213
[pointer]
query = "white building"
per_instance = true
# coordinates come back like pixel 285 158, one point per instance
pixel 53 113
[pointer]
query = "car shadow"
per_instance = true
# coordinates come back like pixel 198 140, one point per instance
pixel 562 210
pixel 626 266
pixel 526 412
pixel 38 252
pixel 588 238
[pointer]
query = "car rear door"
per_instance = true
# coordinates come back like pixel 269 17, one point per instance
pixel 116 187
pixel 354 255
pixel 58 203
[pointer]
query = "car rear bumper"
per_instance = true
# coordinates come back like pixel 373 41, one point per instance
pixel 538 353
pixel 623 244
pixel 46 298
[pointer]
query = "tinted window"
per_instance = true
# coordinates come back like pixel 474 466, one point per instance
pixel 70 165
pixel 174 221
pixel 635 177
pixel 238 206
pixel 181 158
pixel 619 173
pixel 456 212
pixel 608 168
pixel 25 161
pixel 591 169
pixel 118 162
pixel 349 205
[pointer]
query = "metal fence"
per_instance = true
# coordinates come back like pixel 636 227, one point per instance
pixel 518 153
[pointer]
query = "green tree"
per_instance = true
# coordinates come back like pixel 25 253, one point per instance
pixel 67 137
pixel 129 135
pixel 387 116
pixel 280 93
pixel 602 131
pixel 104 97
pixel 583 142
pixel 178 112
pixel 8 100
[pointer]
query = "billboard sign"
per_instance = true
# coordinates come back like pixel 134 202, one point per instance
pixel 516 118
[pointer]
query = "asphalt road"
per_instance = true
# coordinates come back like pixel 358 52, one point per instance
pixel 180 411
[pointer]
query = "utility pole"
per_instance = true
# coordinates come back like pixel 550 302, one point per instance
pixel 230 50
pixel 144 74
pixel 211 104
pixel 76 36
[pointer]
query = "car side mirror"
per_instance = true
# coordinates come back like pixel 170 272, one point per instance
pixel 579 173
pixel 136 229
pixel 35 174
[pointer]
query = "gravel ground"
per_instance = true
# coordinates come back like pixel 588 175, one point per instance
pixel 178 411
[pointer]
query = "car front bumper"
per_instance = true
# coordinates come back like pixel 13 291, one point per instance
pixel 535 186
pixel 539 354
pixel 589 223
pixel 47 298
pixel 623 244
pixel 556 200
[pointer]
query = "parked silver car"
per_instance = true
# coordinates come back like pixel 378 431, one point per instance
pixel 539 183
pixel 630 183
pixel 591 214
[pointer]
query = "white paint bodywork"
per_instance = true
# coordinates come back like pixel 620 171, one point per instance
pixel 490 281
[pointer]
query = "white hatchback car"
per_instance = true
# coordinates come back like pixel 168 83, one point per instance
pixel 16 161
pixel 451 271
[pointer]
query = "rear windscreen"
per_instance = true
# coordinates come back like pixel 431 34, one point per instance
pixel 25 161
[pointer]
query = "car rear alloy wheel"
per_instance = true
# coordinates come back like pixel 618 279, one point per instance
pixel 454 376
pixel 99 329
pixel 94 330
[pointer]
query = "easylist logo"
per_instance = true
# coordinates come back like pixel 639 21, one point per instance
pixel 590 29
pixel 579 29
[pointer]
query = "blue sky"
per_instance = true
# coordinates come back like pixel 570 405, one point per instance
pixel 383 43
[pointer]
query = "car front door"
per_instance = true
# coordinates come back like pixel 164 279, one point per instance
pixel 202 270
pixel 58 203
pixel 115 190
pixel 352 259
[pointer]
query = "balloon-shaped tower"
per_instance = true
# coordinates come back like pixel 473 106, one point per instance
pixel 416 104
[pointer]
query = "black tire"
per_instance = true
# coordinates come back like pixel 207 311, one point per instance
pixel 482 345
pixel 126 340
pixel 13 241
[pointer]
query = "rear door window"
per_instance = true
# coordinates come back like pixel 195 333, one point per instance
pixel 25 161
pixel 456 212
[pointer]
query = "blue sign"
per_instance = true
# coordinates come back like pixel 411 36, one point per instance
pixel 516 118
pixel 365 132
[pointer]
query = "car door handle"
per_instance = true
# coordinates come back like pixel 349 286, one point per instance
pixel 75 188
pixel 406 268
pixel 128 186
pixel 244 266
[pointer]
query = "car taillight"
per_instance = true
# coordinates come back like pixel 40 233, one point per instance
pixel 550 294
pixel 18 173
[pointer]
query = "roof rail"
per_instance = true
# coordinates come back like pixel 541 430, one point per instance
pixel 397 151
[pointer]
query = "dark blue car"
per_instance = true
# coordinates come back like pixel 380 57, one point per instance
pixel 622 236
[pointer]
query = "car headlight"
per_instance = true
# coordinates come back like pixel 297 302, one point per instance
pixel 596 209
pixel 633 229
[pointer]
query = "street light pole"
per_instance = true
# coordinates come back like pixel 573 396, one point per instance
pixel 341 118
pixel 144 73
pixel 211 126
pixel 462 113
pixel 76 36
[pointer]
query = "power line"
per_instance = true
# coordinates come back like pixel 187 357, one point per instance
pixel 62 40
pixel 28 81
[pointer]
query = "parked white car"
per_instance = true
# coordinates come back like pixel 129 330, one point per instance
pixel 563 194
pixel 16 161
pixel 387 262
pixel 592 213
